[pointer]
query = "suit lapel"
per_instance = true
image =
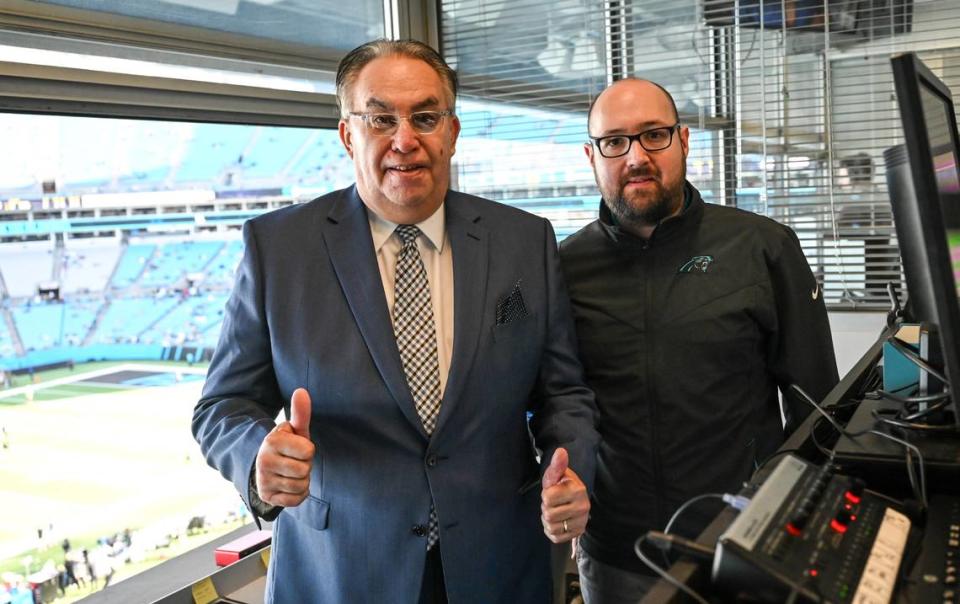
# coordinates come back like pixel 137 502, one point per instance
pixel 350 246
pixel 469 240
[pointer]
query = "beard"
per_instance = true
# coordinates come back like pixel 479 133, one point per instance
pixel 665 201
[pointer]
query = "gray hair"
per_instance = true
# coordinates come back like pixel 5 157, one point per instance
pixel 358 58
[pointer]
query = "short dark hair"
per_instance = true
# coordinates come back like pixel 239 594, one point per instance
pixel 673 103
pixel 358 58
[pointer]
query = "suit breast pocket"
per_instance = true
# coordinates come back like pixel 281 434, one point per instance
pixel 519 329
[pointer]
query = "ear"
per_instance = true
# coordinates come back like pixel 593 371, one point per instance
pixel 346 136
pixel 685 141
pixel 454 133
pixel 588 149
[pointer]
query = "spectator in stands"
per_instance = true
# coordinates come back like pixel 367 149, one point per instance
pixel 411 328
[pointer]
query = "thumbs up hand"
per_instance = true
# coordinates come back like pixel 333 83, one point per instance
pixel 286 457
pixel 565 504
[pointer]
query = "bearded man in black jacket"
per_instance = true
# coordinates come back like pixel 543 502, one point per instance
pixel 690 317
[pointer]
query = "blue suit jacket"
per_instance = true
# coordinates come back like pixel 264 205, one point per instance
pixel 308 309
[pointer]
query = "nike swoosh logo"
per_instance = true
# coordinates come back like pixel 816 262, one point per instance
pixel 816 292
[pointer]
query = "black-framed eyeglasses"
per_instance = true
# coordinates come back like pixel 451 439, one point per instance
pixel 655 139
pixel 385 124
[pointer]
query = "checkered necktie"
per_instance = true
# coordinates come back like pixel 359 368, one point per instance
pixel 417 339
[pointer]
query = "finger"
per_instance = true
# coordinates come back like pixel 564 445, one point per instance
pixel 556 469
pixel 273 484
pixel 574 510
pixel 285 499
pixel 300 412
pixel 568 490
pixel 561 533
pixel 285 467
pixel 284 443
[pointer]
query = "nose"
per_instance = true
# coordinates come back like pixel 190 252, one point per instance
pixel 637 155
pixel 405 139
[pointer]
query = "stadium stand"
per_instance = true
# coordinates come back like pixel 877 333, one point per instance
pixel 78 318
pixel 273 151
pixel 125 318
pixel 86 264
pixel 132 263
pixel 220 271
pixel 174 261
pixel 40 324
pixel 189 322
pixel 25 265
pixel 215 151
pixel 8 347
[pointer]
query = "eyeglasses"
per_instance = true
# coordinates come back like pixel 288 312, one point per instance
pixel 385 124
pixel 655 139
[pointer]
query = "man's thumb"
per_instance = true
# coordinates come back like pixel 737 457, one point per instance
pixel 556 469
pixel 300 412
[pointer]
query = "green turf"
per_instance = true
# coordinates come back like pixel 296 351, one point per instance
pixel 43 393
pixel 93 459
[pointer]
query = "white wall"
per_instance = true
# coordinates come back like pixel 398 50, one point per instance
pixel 853 334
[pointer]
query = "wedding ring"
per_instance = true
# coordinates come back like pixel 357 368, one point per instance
pixel 566 529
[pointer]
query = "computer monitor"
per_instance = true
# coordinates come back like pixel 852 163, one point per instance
pixel 928 222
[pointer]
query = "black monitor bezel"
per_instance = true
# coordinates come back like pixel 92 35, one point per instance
pixel 909 74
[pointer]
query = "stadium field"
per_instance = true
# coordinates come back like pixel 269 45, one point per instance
pixel 92 453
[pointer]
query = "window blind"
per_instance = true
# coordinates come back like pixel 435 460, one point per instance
pixel 790 105
pixel 527 71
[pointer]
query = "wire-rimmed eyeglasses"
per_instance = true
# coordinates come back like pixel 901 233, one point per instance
pixel 385 124
pixel 655 139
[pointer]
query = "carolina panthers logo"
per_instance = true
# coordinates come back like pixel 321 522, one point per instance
pixel 696 264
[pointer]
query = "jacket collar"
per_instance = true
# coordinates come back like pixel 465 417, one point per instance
pixel 692 211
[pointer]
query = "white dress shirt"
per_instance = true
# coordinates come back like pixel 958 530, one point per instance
pixel 437 256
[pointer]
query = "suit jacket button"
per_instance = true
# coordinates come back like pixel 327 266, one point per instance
pixel 431 461
pixel 419 530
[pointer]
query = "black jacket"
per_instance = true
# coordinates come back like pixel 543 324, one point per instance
pixel 685 339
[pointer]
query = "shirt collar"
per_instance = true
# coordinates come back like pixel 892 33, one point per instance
pixel 433 227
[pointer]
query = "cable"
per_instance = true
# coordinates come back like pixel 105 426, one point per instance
pixel 920 489
pixel 912 356
pixel 680 510
pixel 688 547
pixel 906 400
pixel 687 504
pixel 809 399
pixel 910 447
pixel 905 424
pixel 638 549
pixel 773 456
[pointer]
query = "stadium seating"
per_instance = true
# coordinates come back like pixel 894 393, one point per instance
pixel 215 151
pixel 174 261
pixel 187 323
pixel 132 263
pixel 79 316
pixel 40 325
pixel 125 318
pixel 272 152
pixel 25 265
pixel 86 264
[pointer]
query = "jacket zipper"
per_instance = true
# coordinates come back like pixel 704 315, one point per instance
pixel 646 264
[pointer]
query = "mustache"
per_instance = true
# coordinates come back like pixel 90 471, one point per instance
pixel 641 173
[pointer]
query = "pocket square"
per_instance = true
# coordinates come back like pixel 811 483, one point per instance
pixel 510 308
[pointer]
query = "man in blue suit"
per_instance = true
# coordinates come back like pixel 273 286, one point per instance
pixel 412 329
